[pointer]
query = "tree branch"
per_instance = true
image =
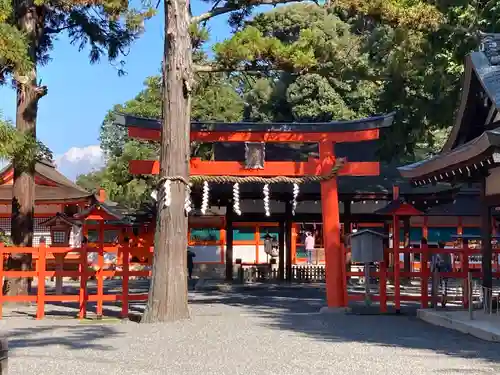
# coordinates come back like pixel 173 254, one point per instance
pixel 214 68
pixel 217 11
pixel 51 30
pixel 41 91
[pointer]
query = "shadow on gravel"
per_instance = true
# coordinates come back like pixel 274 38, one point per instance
pixel 71 337
pixel 297 310
pixel 110 309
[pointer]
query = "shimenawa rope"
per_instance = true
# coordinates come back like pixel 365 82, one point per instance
pixel 196 180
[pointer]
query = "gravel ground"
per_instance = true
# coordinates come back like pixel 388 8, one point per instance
pixel 257 332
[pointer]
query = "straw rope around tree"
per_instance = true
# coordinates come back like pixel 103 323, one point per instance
pixel 197 180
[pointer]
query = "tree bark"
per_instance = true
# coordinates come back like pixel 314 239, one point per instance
pixel 167 299
pixel 30 21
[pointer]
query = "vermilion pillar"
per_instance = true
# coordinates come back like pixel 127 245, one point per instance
pixel 334 256
pixel 395 246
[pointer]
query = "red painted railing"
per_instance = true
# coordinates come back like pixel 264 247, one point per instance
pixel 421 270
pixel 102 271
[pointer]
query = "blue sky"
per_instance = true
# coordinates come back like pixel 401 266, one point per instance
pixel 80 94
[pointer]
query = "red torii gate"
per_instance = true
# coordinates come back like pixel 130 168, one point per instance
pixel 325 134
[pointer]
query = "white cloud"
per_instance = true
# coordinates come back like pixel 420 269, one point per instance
pixel 79 160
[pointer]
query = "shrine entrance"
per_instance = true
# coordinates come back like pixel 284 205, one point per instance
pixel 259 166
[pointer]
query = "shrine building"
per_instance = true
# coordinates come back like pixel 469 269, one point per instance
pixel 54 193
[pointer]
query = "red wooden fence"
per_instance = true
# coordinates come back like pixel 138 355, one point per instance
pixel 43 254
pixel 460 271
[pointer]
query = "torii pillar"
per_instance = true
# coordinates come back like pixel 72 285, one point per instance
pixel 336 288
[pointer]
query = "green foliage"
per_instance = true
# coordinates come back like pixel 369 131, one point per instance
pixel 120 186
pixel 4 239
pixel 24 148
pixel 146 104
pixel 106 27
pixel 13 52
pixel 358 58
pixel 408 14
pixel 214 99
pixel 325 66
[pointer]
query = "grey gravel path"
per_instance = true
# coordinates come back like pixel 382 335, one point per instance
pixel 275 332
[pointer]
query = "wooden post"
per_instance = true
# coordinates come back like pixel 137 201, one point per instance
pixel 334 256
pixel 83 282
pixel 289 241
pixel 435 288
pixel 281 244
pixel 387 254
pixel 59 259
pixel 424 270
pixel 41 267
pixel 395 245
pixel 100 265
pixel 383 287
pixel 229 243
pixel 347 232
pixel 486 251
pixel 465 271
pixel 407 256
pixel 125 279
pixel 2 255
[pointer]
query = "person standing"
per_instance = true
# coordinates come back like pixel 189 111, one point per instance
pixel 268 244
pixel 309 242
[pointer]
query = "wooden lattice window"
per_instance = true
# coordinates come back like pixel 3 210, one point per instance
pixel 111 236
pixel 59 237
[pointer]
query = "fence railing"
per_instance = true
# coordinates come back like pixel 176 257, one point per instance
pixel 416 285
pixel 121 267
pixel 266 273
pixel 391 285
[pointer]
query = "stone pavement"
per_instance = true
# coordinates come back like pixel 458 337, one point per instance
pixel 483 326
pixel 276 332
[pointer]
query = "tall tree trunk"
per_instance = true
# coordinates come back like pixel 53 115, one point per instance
pixel 168 291
pixel 30 21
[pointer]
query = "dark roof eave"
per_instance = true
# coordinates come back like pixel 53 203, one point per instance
pixel 118 216
pixel 471 152
pixel 375 122
pixel 60 216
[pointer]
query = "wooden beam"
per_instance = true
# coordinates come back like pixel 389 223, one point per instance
pixel 145 134
pixel 272 168
pixel 279 137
